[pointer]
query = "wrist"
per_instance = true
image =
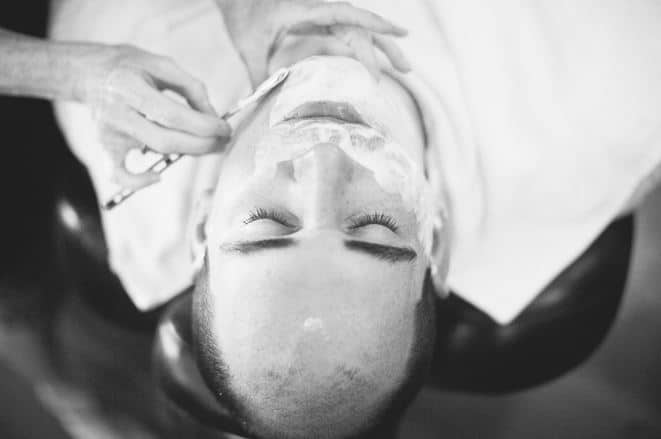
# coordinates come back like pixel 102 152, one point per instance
pixel 39 68
pixel 83 67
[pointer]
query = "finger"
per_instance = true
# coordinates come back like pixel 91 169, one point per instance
pixel 173 77
pixel 303 48
pixel 166 140
pixel 309 29
pixel 328 14
pixel 167 112
pixel 360 42
pixel 128 180
pixel 299 48
pixel 121 175
pixel 393 52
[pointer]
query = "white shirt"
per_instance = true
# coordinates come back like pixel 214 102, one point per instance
pixel 546 116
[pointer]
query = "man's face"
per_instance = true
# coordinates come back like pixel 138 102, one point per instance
pixel 315 265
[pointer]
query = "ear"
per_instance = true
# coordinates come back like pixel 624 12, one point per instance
pixel 439 260
pixel 199 218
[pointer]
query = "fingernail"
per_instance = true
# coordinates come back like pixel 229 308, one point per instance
pixel 399 30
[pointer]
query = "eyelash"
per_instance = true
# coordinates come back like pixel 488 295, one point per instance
pixel 374 218
pixel 356 222
pixel 261 213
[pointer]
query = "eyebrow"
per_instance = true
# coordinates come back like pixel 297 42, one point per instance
pixel 248 247
pixel 384 252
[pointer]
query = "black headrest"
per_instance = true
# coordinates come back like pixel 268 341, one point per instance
pixel 558 331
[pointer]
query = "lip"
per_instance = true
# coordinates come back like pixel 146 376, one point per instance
pixel 339 111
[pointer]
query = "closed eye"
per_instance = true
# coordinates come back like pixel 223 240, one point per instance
pixel 259 214
pixel 377 218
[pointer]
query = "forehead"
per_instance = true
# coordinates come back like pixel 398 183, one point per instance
pixel 272 299
pixel 311 304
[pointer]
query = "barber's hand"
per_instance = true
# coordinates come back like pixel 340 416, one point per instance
pixel 124 87
pixel 257 27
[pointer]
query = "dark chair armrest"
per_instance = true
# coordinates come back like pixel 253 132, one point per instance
pixel 554 334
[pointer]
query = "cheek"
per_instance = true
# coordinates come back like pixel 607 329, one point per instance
pixel 238 162
pixel 236 168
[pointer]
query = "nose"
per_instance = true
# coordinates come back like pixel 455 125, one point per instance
pixel 323 174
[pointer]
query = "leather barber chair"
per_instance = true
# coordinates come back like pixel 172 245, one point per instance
pixel 557 332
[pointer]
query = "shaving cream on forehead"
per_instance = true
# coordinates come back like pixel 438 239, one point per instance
pixel 334 79
pixel 393 169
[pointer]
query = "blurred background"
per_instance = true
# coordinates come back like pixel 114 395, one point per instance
pixel 615 394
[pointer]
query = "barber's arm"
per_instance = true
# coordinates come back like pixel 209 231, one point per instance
pixel 122 85
pixel 259 27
